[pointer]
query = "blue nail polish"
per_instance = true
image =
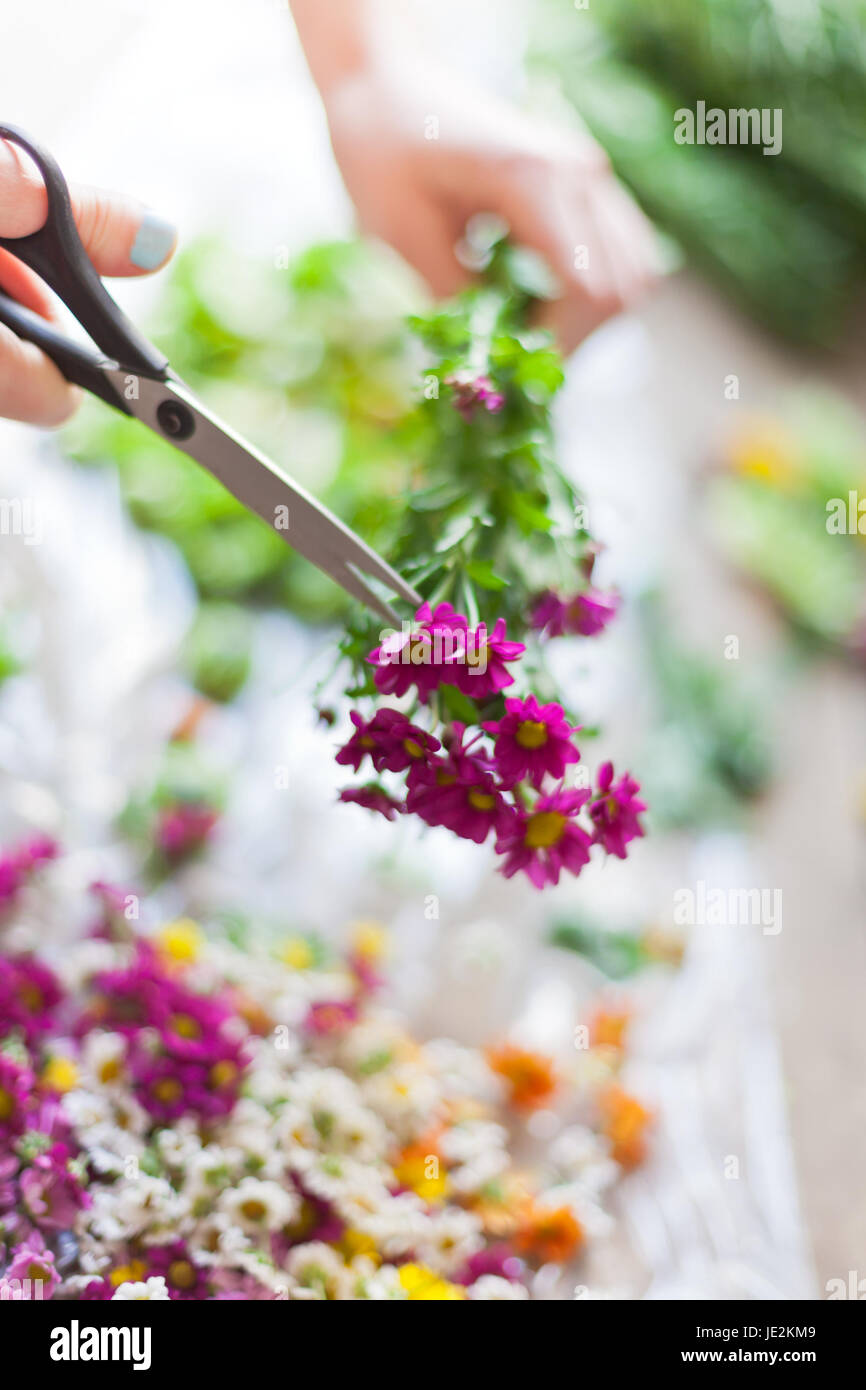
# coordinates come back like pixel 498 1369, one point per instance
pixel 153 241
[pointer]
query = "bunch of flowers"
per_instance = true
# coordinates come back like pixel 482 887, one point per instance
pixel 497 544
pixel 180 1119
pixel 501 777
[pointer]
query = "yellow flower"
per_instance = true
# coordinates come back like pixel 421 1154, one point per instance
pixel 369 940
pixel 354 1243
pixel 424 1285
pixel 297 953
pixel 133 1273
pixel 181 941
pixel 423 1172
pixel 764 450
pixel 60 1073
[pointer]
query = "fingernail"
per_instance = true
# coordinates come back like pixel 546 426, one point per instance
pixel 153 241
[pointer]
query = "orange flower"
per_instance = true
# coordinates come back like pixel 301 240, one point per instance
pixel 420 1167
pixel 502 1204
pixel 531 1077
pixel 550 1235
pixel 255 1016
pixel 608 1028
pixel 624 1123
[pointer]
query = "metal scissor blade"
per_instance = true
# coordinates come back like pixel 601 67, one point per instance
pixel 173 411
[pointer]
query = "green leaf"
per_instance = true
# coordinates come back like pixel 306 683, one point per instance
pixel 482 572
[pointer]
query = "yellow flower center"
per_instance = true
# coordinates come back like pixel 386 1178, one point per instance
pixel 181 941
pixel 185 1026
pixel 60 1073
pixel 544 829
pixel 168 1090
pixel 482 801
pixel 223 1073
pixel 413 748
pixel 532 734
pixel 445 779
pixel 132 1273
pixel 254 1210
pixel 366 741
pixel 181 1274
pixel 7 1103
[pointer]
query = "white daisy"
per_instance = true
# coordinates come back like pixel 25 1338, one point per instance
pixel 259 1205
pixel 153 1290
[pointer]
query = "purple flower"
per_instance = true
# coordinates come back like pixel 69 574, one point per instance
pixel 50 1192
pixel 184 1279
pixel 471 391
pixel 29 993
pixel 459 792
pixel 425 657
pixel 532 741
pixel 16 1089
pixel 483 672
pixel 392 743
pixel 495 1259
pixel 183 828
pixel 585 615
pixel 34 1262
pixel 544 841
pixel 615 813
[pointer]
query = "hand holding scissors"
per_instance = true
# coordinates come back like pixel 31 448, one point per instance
pixel 130 374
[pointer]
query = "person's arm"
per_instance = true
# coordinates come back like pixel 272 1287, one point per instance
pixel 421 148
pixel 121 238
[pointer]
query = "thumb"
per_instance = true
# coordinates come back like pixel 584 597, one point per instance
pixel 121 235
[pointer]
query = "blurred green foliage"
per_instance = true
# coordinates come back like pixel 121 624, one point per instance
pixel 711 746
pixel 311 363
pixel 491 520
pixel 785 234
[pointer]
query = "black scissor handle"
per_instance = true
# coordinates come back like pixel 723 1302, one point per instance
pixel 57 255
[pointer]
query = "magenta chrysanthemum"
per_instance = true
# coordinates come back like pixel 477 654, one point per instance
pixel 50 1191
pixel 615 812
pixel 585 615
pixel 29 994
pixel 426 656
pixel 16 1088
pixel 389 739
pixel 532 741
pixel 459 792
pixel 544 841
pixel 483 671
pixel 31 1262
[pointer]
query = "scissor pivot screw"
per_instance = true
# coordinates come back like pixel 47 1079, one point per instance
pixel 175 420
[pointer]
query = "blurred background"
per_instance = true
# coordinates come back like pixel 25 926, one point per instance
pixel 709 433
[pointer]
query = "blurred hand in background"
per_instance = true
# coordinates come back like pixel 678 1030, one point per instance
pixel 421 150
pixel 121 237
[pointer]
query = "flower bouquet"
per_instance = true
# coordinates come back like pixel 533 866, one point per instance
pixel 181 1119
pixel 459 715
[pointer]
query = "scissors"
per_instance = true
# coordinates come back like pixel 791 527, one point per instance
pixel 133 376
